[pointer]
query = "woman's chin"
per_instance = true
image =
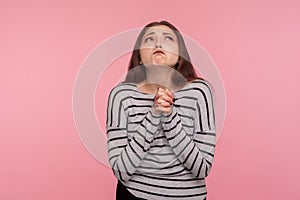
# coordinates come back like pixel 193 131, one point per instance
pixel 158 63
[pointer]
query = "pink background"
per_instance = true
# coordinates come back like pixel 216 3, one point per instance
pixel 255 45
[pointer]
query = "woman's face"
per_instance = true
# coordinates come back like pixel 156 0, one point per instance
pixel 159 46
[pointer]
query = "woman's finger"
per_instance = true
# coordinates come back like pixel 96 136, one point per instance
pixel 166 98
pixel 169 93
pixel 164 95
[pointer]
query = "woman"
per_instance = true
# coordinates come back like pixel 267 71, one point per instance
pixel 161 132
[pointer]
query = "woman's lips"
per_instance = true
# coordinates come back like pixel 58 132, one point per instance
pixel 158 52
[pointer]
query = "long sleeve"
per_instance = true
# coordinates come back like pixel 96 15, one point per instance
pixel 195 150
pixel 126 153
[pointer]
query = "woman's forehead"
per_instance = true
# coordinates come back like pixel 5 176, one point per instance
pixel 159 29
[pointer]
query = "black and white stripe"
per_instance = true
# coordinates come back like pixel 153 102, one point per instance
pixel 162 156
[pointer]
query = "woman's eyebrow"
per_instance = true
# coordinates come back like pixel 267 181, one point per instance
pixel 167 33
pixel 164 33
pixel 148 34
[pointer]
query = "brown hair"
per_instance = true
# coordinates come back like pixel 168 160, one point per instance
pixel 183 65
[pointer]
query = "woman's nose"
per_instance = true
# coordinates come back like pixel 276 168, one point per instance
pixel 158 43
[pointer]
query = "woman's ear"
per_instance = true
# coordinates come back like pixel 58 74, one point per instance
pixel 140 62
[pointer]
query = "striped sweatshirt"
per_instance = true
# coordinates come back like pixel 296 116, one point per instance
pixel 164 156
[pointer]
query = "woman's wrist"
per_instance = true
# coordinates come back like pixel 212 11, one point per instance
pixel 155 109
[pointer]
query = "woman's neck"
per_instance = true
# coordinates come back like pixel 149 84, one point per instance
pixel 149 88
pixel 159 74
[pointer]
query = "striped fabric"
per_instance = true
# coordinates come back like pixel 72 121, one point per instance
pixel 162 156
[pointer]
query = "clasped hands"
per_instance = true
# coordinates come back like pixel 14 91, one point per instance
pixel 163 101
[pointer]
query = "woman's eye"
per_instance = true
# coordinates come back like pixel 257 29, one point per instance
pixel 148 39
pixel 169 38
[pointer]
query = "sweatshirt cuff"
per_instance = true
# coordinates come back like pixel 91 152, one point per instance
pixel 167 118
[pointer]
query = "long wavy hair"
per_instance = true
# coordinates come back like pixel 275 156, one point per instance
pixel 183 66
